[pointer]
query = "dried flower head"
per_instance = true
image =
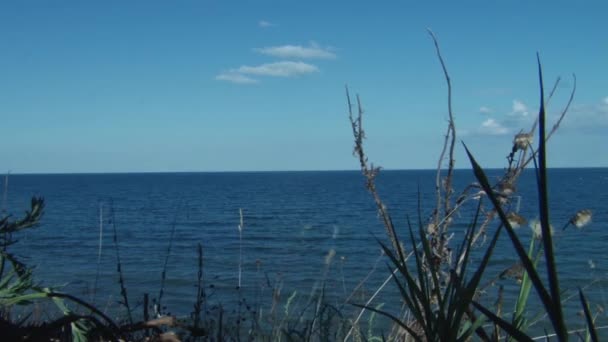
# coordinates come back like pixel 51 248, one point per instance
pixel 537 230
pixel 506 189
pixel 515 271
pixel 516 220
pixel 522 140
pixel 330 255
pixel 431 228
pixel 581 218
pixel 241 223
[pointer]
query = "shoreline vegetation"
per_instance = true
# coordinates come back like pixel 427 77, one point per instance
pixel 443 288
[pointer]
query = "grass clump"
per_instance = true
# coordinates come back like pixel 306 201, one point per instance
pixel 443 301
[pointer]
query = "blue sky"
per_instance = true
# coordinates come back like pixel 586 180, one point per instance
pixel 127 86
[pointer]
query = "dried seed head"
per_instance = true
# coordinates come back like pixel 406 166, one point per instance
pixel 537 230
pixel 507 189
pixel 431 229
pixel 516 220
pixel 581 218
pixel 515 271
pixel 522 140
pixel 330 255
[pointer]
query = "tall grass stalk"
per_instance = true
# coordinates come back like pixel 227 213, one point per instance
pixel 121 281
pixel 241 226
pixel 524 293
pixel 200 294
pixel 5 194
pixel 163 276
pixel 100 246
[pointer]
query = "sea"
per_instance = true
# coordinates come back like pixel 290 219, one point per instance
pixel 279 236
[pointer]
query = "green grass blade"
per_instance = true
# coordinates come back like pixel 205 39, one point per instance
pixel 558 323
pixel 590 324
pixel 469 240
pixel 428 254
pixel 409 299
pixel 524 293
pixel 412 298
pixel 465 252
pixel 476 327
pixel 426 290
pixel 506 326
pixel 519 249
pixel 466 294
pixel 393 318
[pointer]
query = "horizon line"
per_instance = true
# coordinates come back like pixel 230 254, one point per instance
pixel 9 173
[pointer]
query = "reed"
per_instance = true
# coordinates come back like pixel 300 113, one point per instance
pixel 121 280
pixel 200 296
pixel 241 226
pixel 99 250
pixel 158 308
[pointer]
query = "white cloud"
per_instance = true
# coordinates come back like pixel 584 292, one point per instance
pixel 485 110
pixel 278 69
pixel 519 108
pixel 462 132
pixel 588 117
pixel 298 51
pixel 605 100
pixel 265 24
pixel 492 127
pixel 234 77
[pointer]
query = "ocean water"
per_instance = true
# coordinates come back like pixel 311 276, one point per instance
pixel 292 222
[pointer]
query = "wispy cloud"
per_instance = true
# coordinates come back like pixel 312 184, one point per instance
pixel 298 51
pixel 492 91
pixel 588 117
pixel 278 69
pixel 235 77
pixel 493 127
pixel 242 74
pixel 519 108
pixel 265 24
pixel 485 110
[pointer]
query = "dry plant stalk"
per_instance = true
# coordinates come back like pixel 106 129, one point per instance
pixel 369 171
pixel 505 185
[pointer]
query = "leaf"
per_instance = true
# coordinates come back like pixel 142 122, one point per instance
pixel 393 318
pixel 590 324
pixel 543 203
pixel 506 326
pixel 526 262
